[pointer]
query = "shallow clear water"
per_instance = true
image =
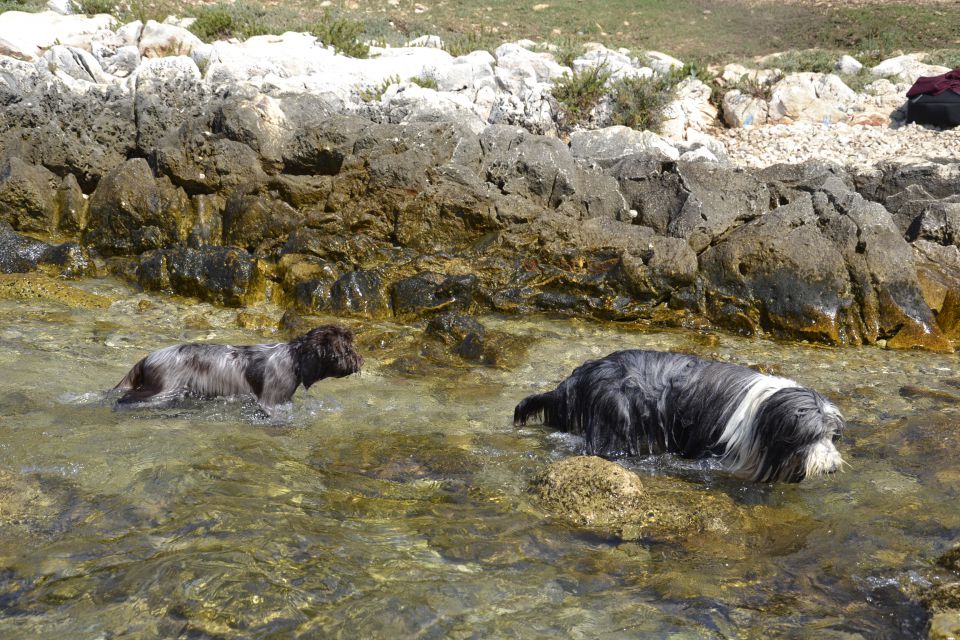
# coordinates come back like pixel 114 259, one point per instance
pixel 395 504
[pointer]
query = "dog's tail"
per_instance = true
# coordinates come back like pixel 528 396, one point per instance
pixel 541 405
pixel 133 379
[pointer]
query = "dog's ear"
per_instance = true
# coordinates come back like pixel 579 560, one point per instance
pixel 326 352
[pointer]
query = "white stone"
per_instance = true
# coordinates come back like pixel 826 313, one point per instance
pixel 63 7
pixel 743 110
pixel 409 102
pixel 519 69
pixel 692 108
pixel 662 63
pixel 848 65
pixel 122 62
pixel 130 33
pixel 907 68
pixel 73 64
pixel 470 72
pixel 27 35
pixel 158 40
pixel 613 143
pixel 811 97
pixel 700 154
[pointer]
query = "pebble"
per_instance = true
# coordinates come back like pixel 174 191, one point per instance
pixel 848 145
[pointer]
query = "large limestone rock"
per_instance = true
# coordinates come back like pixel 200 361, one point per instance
pixel 48 123
pixel 26 36
pixel 610 144
pixel 779 273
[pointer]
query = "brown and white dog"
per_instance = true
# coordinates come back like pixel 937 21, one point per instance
pixel 269 372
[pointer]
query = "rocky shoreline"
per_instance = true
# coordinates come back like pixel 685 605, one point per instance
pixel 265 176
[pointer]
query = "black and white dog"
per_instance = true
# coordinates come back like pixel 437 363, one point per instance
pixel 762 427
pixel 269 372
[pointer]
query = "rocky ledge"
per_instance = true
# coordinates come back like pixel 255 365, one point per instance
pixel 235 189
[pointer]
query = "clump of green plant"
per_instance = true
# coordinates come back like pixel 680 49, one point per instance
pixel 29 6
pixel 343 34
pixel 815 60
pixel 374 93
pixel 578 93
pixel 463 43
pixel 750 84
pixel 425 81
pixel 638 102
pixel 944 58
pixel 94 7
pixel 239 20
pixel 859 81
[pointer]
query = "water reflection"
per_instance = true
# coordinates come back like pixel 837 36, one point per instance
pixel 395 504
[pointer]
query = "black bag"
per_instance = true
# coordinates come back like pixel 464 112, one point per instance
pixel 941 110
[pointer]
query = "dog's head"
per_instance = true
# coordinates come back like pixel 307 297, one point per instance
pixel 326 352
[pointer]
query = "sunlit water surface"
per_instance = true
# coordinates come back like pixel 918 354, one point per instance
pixel 396 505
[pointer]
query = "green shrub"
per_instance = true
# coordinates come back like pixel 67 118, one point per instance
pixel 578 93
pixel 343 34
pixel 372 94
pixel 748 84
pixel 638 103
pixel 240 20
pixel 815 60
pixel 93 7
pixel 461 44
pixel 30 6
pixel 425 81
pixel 944 58
pixel 859 81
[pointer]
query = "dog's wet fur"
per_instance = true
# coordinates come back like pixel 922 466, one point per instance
pixel 269 372
pixel 634 402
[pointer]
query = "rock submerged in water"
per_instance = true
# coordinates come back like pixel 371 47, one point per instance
pixel 594 492
pixel 35 286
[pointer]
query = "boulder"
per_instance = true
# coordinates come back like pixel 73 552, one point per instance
pixel 781 275
pixel 429 292
pixel 359 293
pixel 26 36
pixel 610 144
pixel 743 110
pixel 23 254
pixel 222 275
pixel 810 97
pixel 881 267
pixel 907 68
pixel 597 493
pixel 168 94
pixel 848 65
pixel 28 196
pixel 132 212
pixel 158 40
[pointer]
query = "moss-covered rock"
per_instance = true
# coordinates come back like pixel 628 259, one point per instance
pixel 945 626
pixel 591 491
pixel 222 275
pixel 36 286
pixel 132 212
pixel 28 196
